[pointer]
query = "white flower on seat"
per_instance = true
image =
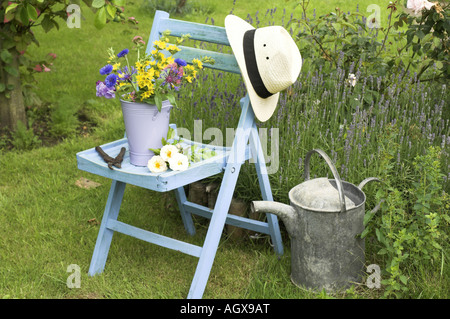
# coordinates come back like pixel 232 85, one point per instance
pixel 157 164
pixel 179 162
pixel 168 151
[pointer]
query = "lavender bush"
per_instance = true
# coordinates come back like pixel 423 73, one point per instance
pixel 371 124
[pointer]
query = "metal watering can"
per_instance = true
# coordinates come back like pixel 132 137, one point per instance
pixel 324 221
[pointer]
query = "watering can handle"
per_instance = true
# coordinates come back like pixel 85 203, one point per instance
pixel 363 183
pixel 370 179
pixel 333 170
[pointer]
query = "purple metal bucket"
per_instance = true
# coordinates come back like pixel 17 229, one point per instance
pixel 145 127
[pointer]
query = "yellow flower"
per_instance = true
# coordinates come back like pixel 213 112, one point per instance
pixel 116 66
pixel 160 44
pixel 148 82
pixel 173 49
pixel 198 63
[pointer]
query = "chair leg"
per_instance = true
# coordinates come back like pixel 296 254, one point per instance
pixel 214 233
pixel 266 191
pixel 104 237
pixel 180 194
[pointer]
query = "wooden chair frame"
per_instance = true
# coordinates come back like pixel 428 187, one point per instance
pixel 245 145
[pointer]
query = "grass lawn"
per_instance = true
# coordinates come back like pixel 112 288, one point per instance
pixel 48 223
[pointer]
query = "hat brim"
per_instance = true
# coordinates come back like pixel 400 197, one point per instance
pixel 235 28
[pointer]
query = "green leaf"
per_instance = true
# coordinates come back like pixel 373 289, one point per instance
pixel 367 218
pixel 380 236
pixel 100 18
pixel 32 13
pixel 22 15
pixel 10 7
pixel 11 70
pixel 47 23
pixel 336 26
pixel 111 10
pixel 171 133
pixel 119 3
pixel 351 26
pixel 172 100
pixel 365 232
pixel 155 151
pixel 6 56
pixel 2 87
pixel 158 101
pixel 98 3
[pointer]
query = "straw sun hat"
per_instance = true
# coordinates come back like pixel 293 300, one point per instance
pixel 269 61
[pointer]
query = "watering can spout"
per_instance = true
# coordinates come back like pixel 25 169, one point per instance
pixel 287 213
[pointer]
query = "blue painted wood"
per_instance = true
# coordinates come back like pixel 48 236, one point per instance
pixel 222 61
pixel 105 235
pixel 185 214
pixel 153 238
pixel 226 159
pixel 197 31
pixel 91 162
pixel 266 192
pixel 222 205
pixel 157 29
pixel 233 220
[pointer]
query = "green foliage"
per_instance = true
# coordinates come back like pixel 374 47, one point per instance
pixel 411 226
pixel 18 20
pixel 345 39
pixel 24 138
pixel 427 35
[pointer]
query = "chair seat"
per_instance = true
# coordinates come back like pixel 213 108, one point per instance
pixel 90 161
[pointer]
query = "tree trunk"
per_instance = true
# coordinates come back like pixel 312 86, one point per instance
pixel 12 108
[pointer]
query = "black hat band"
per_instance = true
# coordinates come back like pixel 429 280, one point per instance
pixel 252 66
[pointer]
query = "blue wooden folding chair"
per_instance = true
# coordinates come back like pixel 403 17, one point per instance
pixel 229 159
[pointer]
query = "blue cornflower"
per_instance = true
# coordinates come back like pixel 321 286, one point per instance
pixel 125 74
pixel 180 62
pixel 111 80
pixel 123 53
pixel 107 69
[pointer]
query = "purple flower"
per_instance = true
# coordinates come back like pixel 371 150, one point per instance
pixel 180 62
pixel 111 80
pixel 123 53
pixel 172 76
pixel 104 91
pixel 125 74
pixel 107 69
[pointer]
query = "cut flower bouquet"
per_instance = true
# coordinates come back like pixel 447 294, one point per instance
pixel 154 77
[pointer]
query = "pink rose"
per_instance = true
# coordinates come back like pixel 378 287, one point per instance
pixel 416 6
pixel 37 68
pixel 45 68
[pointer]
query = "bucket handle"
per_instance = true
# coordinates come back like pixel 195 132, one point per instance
pixel 333 170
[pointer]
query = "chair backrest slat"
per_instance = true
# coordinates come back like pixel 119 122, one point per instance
pixel 201 32
pixel 223 61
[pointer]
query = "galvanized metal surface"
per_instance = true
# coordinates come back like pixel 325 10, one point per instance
pixel 324 221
